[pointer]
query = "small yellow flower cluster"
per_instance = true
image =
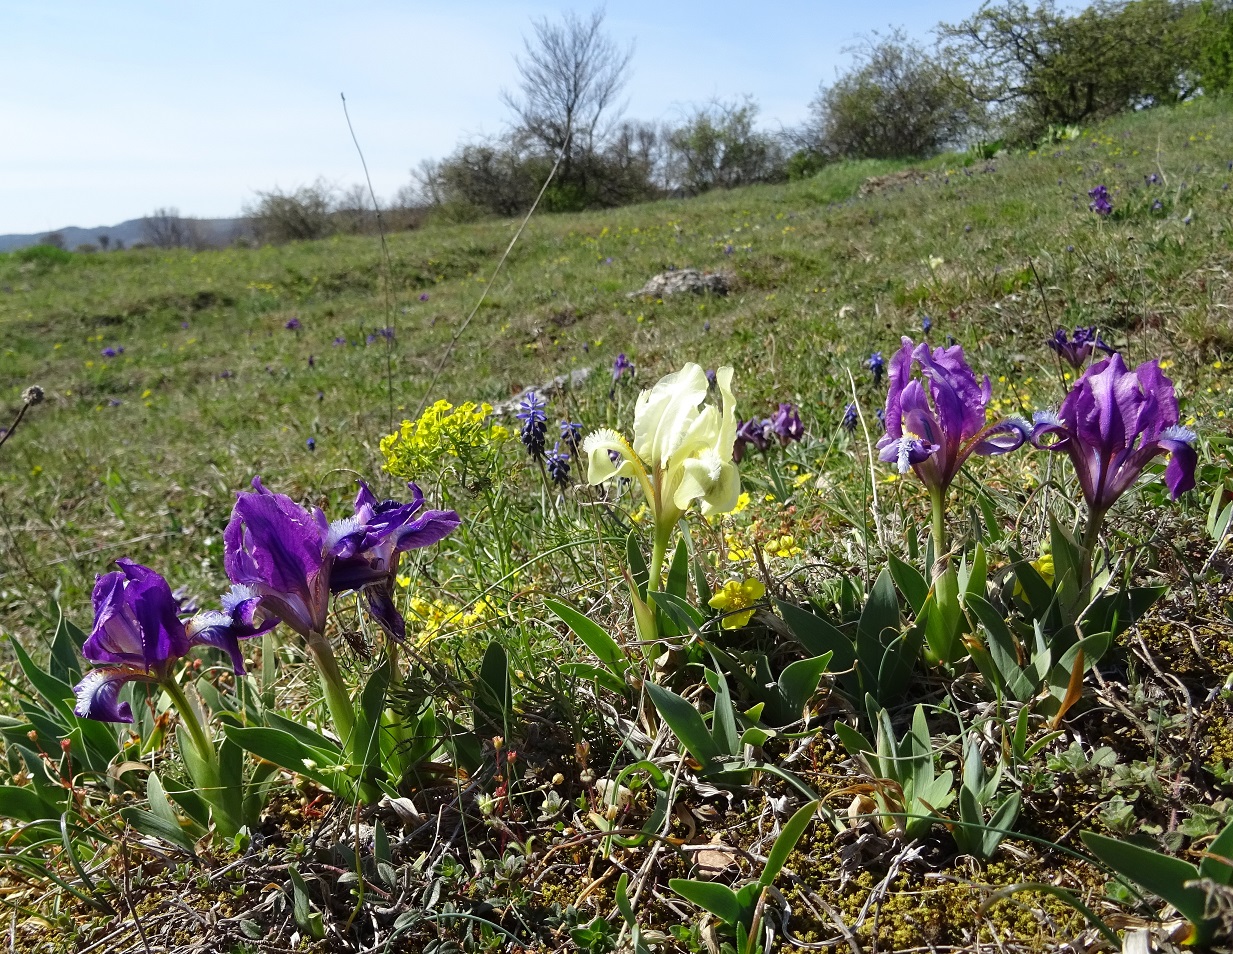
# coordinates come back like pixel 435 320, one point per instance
pixel 441 433
pixel 735 599
pixel 433 619
pixel 782 546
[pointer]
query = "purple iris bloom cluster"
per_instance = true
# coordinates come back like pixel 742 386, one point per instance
pixel 534 424
pixel 138 635
pixel 935 422
pixel 1077 347
pixel 1112 424
pixel 283 561
pixel 784 425
pixel 877 365
pixel 1100 203
pixel 557 462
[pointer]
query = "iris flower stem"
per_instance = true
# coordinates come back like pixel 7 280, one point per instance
pixel 188 715
pixel 1091 540
pixel 659 552
pixel 940 560
pixel 336 698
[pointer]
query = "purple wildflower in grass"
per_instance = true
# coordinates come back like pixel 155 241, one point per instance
pixel 312 360
pixel 534 424
pixel 339 341
pixel 711 379
pixel 293 324
pixel 184 325
pixel 1077 347
pixel 728 250
pixel 786 424
pixel 877 365
pixel 424 296
pixel 571 434
pixel 880 414
pixel 109 352
pixel 751 433
pixel 311 443
pixel 933 424
pixel 1112 424
pixel 926 324
pixel 850 418
pixel 1100 203
pixel 1152 179
pixel 138 635
pixel 621 365
pixel 706 326
pixel 557 462
pixel 1186 220
pixel 1157 206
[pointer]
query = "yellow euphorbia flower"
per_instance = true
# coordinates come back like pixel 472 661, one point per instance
pixel 735 600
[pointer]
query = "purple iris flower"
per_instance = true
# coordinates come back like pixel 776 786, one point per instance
pixel 786 424
pixel 291 559
pixel 934 431
pixel 371 543
pixel 138 635
pixel 1077 347
pixel 753 433
pixel 1113 423
pixel 620 366
pixel 877 365
pixel 1100 203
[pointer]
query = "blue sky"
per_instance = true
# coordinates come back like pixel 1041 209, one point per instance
pixel 110 110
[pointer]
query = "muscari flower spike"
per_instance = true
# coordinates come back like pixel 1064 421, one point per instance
pixel 534 424
pixel 877 365
pixel 1112 424
pixel 138 636
pixel 557 462
pixel 849 418
pixel 933 431
pixel 571 434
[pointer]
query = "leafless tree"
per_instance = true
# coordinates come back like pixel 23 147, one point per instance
pixel 165 228
pixel 572 73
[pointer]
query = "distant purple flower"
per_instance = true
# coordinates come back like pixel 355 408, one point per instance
pixel 114 402
pixel 571 434
pixel 728 249
pixel 877 365
pixel 926 324
pixel 339 341
pixel 607 261
pixel 558 466
pixel 1157 206
pixel 138 635
pixel 706 326
pixel 293 324
pixel 226 374
pixel 755 433
pixel 534 424
pixel 1100 203
pixel 109 352
pixel 184 325
pixel 386 333
pixel 880 414
pixel 934 431
pixel 1112 424
pixel 311 443
pixel 311 360
pixel 850 418
pixel 1076 348
pixel 370 339
pixel 1153 179
pixel 620 366
pixel 786 424
pixel 424 296
pixel 711 379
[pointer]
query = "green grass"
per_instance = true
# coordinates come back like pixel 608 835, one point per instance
pixel 141 454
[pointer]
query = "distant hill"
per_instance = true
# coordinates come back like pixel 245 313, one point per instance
pixel 212 231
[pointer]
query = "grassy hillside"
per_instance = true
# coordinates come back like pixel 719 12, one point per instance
pixel 173 378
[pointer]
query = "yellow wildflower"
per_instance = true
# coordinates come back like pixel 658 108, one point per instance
pixel 735 600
